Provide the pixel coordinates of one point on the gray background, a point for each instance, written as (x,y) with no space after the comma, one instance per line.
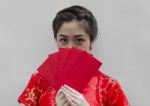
(26,39)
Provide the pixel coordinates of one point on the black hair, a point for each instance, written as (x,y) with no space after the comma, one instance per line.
(77,13)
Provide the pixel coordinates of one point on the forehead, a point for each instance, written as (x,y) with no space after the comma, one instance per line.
(71,28)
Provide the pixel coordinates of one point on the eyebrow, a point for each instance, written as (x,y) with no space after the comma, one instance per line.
(79,35)
(62,35)
(76,36)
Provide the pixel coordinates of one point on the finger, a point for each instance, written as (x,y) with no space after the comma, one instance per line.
(74,95)
(75,99)
(59,91)
(71,99)
(73,104)
(61,99)
(64,101)
(66,104)
(68,97)
(61,96)
(76,102)
(71,89)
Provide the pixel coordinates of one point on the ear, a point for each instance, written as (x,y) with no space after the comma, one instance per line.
(91,47)
(91,43)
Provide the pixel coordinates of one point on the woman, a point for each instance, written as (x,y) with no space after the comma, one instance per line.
(74,26)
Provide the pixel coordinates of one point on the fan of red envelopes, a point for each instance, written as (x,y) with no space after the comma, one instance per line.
(71,66)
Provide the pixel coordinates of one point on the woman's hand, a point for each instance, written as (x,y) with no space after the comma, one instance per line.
(61,100)
(74,98)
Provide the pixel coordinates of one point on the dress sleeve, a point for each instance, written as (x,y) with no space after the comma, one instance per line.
(116,96)
(33,90)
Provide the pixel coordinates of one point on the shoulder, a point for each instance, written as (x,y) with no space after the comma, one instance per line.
(106,78)
(38,80)
(35,87)
(112,90)
(36,76)
(108,84)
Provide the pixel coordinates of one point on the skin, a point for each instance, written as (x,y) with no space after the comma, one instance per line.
(70,35)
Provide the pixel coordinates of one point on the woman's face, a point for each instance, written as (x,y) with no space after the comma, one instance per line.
(72,34)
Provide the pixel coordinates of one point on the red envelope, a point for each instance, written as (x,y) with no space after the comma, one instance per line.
(62,58)
(48,69)
(73,56)
(80,68)
(70,66)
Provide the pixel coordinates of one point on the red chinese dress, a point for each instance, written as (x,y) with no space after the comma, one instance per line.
(99,89)
(102,90)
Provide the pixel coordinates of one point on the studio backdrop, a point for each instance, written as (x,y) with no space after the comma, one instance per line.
(123,43)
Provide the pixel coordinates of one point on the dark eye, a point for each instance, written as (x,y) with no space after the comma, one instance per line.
(63,40)
(79,40)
